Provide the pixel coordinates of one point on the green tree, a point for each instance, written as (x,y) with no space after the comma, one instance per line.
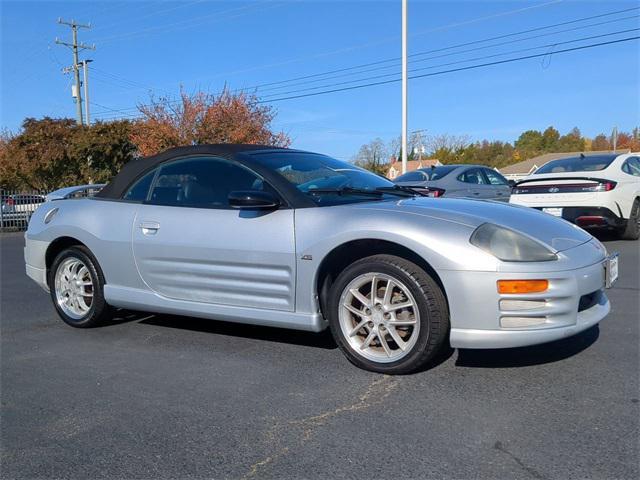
(571,142)
(600,142)
(529,143)
(550,138)
(51,153)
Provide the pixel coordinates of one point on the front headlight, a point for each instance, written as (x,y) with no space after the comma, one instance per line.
(510,246)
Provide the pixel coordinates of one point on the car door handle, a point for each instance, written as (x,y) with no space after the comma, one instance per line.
(149,228)
(499,194)
(476,193)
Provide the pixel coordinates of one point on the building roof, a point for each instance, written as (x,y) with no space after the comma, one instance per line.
(525,167)
(412,165)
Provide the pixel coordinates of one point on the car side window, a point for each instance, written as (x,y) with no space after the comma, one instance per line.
(140,189)
(473,175)
(632,166)
(202,183)
(494,177)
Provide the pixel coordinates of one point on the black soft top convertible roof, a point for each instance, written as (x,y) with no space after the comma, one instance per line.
(133,170)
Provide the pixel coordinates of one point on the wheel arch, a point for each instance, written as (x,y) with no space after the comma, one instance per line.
(350,251)
(57,246)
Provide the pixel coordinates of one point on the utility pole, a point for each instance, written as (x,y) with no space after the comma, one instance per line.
(85,80)
(404,86)
(76,48)
(615,138)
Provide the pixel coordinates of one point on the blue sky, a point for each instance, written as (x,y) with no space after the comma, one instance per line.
(157,46)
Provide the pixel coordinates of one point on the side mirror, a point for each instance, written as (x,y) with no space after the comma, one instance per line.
(253,200)
(512,183)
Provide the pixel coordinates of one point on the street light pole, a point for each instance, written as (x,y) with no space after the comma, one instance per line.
(404,86)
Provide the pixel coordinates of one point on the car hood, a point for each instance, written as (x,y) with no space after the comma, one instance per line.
(556,233)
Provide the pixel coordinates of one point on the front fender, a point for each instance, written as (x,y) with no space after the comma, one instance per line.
(443,245)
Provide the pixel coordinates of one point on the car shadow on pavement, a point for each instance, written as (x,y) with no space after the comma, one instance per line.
(528,356)
(218,327)
(604,235)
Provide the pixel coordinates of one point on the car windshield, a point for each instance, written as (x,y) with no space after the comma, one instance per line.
(585,163)
(326,180)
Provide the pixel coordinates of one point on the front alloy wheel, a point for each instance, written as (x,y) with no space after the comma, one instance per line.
(379,317)
(388,315)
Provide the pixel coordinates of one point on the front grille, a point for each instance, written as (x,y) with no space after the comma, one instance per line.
(589,300)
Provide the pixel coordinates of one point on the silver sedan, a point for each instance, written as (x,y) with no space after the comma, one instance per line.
(458,181)
(293,239)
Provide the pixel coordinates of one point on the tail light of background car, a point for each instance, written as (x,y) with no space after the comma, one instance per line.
(589,186)
(430,191)
(10,201)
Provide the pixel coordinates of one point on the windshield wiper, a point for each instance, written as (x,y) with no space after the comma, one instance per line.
(399,190)
(347,191)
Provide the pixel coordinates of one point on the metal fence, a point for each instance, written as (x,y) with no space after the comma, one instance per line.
(17,206)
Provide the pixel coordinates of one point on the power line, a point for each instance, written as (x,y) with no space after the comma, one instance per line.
(451,47)
(471,67)
(190,22)
(465,44)
(549,45)
(442,49)
(153,13)
(324,54)
(442,72)
(395,65)
(394,38)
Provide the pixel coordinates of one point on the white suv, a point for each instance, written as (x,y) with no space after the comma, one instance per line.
(592,191)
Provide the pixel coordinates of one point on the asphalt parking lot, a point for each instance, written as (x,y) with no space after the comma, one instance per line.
(174,397)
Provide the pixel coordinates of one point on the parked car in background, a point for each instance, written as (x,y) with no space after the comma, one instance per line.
(257,234)
(78,191)
(592,191)
(21,205)
(458,181)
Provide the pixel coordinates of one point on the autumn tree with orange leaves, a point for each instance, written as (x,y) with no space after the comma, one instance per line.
(203,118)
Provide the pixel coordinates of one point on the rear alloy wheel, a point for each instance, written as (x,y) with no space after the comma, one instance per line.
(632,229)
(76,283)
(388,315)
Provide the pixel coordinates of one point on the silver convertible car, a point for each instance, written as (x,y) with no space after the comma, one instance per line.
(293,239)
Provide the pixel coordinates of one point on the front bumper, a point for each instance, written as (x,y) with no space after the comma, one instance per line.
(574,302)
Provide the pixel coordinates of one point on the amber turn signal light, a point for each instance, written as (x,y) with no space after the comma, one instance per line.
(522,286)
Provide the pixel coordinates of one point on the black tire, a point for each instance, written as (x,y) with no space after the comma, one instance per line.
(99,311)
(429,297)
(632,229)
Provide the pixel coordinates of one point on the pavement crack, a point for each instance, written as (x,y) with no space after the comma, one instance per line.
(530,470)
(303,429)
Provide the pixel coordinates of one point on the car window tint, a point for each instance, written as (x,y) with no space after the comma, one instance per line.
(140,189)
(440,172)
(412,177)
(473,175)
(494,177)
(202,182)
(585,163)
(632,166)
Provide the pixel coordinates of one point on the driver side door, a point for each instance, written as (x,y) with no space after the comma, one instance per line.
(190,244)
